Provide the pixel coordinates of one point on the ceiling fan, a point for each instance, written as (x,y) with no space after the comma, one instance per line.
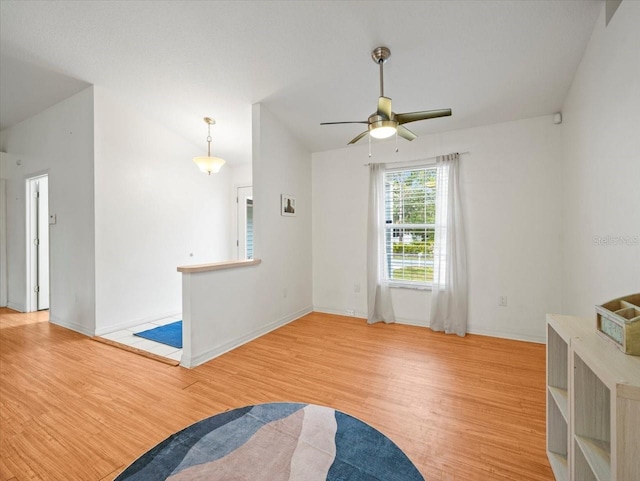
(384,123)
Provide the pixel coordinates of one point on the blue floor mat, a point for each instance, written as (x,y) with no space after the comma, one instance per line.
(170,334)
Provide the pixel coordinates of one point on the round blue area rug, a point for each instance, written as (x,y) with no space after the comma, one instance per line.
(275,442)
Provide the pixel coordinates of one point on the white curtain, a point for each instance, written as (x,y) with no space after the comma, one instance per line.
(449,294)
(378,294)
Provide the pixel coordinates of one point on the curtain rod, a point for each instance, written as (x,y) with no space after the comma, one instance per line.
(417,160)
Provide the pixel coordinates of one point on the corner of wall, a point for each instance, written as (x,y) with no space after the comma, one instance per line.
(601,168)
(66,153)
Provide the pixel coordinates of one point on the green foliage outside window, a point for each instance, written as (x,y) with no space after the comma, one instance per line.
(419,247)
(410,201)
(420,274)
(412,196)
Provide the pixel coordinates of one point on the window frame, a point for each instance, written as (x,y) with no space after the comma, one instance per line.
(407,284)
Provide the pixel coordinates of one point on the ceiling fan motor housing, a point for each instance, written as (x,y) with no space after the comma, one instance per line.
(376,121)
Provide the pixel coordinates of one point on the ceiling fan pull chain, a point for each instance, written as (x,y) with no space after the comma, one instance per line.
(396,141)
(369,145)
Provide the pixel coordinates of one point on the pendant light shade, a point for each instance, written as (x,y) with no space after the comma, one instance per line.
(208,164)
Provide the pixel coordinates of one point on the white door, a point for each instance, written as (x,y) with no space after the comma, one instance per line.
(38,243)
(245,222)
(43,245)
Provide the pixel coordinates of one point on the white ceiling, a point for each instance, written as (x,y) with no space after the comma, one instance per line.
(309,62)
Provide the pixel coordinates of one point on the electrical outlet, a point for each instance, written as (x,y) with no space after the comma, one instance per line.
(502,301)
(351,312)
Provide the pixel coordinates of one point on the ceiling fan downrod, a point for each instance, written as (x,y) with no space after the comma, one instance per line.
(380,56)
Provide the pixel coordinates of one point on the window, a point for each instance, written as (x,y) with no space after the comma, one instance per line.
(410,211)
(249,231)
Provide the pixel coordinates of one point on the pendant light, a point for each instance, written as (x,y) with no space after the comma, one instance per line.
(209,164)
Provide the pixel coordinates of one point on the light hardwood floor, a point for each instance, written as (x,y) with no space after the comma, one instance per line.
(463,409)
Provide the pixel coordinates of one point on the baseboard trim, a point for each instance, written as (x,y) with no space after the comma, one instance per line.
(339,312)
(16,307)
(412,322)
(363,315)
(71,325)
(508,335)
(239,341)
(136,322)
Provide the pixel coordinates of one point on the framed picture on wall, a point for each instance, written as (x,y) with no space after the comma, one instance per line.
(287,205)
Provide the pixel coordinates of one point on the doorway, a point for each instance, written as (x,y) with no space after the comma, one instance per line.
(245,222)
(37,223)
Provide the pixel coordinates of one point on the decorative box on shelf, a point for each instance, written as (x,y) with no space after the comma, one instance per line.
(619,321)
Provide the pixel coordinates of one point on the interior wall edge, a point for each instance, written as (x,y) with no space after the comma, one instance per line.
(239,341)
(82,329)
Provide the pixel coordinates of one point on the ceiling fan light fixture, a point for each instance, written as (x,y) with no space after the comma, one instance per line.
(383,129)
(384,123)
(207,163)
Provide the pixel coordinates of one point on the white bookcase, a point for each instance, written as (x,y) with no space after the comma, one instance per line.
(593,404)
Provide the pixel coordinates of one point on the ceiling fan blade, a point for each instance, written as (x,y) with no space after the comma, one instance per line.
(354,122)
(384,107)
(405,133)
(359,137)
(424,115)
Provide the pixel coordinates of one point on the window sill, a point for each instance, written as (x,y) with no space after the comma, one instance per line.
(406,285)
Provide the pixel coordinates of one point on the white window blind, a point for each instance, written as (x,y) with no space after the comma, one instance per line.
(410,210)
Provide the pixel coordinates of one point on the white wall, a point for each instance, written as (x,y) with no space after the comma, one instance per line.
(241,174)
(59,141)
(281,165)
(155,211)
(225,308)
(511,195)
(601,167)
(3,231)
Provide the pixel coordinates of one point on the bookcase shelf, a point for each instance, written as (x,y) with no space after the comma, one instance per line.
(593,404)
(559,466)
(597,454)
(561,398)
